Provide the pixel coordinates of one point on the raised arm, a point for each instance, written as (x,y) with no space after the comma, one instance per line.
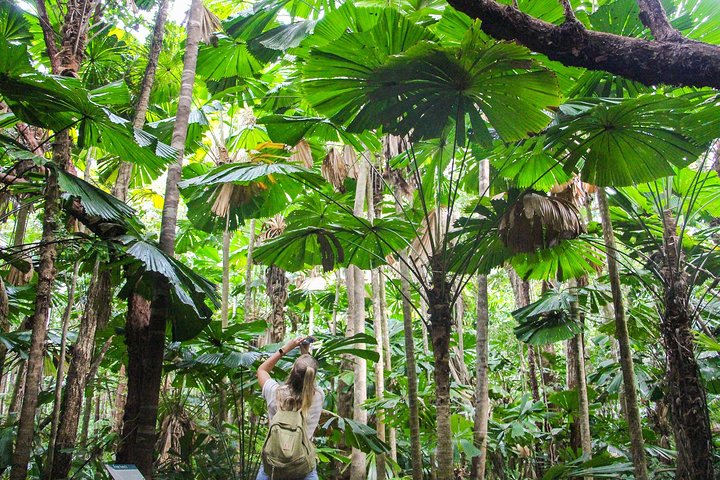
(263,373)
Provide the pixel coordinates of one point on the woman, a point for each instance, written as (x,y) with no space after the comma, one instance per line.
(299,392)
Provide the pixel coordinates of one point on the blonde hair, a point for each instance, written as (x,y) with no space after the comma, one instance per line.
(298,391)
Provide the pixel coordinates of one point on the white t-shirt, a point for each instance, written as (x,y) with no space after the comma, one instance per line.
(268,392)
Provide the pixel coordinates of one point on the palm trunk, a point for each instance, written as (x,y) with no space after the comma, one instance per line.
(248,272)
(439,300)
(357,317)
(392,433)
(96,315)
(411,370)
(521,292)
(146,340)
(571,382)
(630,404)
(482,399)
(60,378)
(579,347)
(225,305)
(378,314)
(4,324)
(122,183)
(277,291)
(46,278)
(688,405)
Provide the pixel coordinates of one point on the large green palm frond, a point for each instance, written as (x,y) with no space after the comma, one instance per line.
(619,143)
(401,79)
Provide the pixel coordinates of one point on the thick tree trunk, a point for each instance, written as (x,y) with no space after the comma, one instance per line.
(46,278)
(439,301)
(482,399)
(662,61)
(688,405)
(97,313)
(630,404)
(277,291)
(122,183)
(60,377)
(146,339)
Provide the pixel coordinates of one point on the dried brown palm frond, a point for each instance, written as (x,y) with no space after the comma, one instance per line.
(233,195)
(433,231)
(574,191)
(538,221)
(18,278)
(350,158)
(174,427)
(333,169)
(209,24)
(302,153)
(393,145)
(272,228)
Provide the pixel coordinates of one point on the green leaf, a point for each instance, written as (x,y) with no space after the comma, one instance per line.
(547,320)
(190,292)
(229,194)
(624,143)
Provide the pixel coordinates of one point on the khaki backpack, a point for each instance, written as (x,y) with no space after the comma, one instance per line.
(288,453)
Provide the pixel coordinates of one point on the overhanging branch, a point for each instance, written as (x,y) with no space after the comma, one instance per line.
(666,60)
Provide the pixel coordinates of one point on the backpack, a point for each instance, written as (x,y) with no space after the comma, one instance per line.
(288,453)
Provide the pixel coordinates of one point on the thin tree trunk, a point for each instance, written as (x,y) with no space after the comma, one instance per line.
(630,405)
(378,314)
(122,183)
(357,318)
(571,382)
(249,271)
(521,292)
(4,324)
(46,278)
(583,402)
(482,399)
(225,305)
(411,370)
(145,357)
(392,433)
(119,405)
(688,405)
(96,315)
(277,292)
(15,276)
(60,378)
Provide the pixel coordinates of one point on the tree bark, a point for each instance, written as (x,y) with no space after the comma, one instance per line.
(225,302)
(580,375)
(630,404)
(439,301)
(122,183)
(248,272)
(521,292)
(277,291)
(378,321)
(356,316)
(4,323)
(482,398)
(60,377)
(96,315)
(666,60)
(46,278)
(411,371)
(688,405)
(146,340)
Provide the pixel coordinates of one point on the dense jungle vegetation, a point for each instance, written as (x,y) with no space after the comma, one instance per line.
(499,219)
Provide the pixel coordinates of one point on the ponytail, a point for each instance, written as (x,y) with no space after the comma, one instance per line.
(308,390)
(298,392)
